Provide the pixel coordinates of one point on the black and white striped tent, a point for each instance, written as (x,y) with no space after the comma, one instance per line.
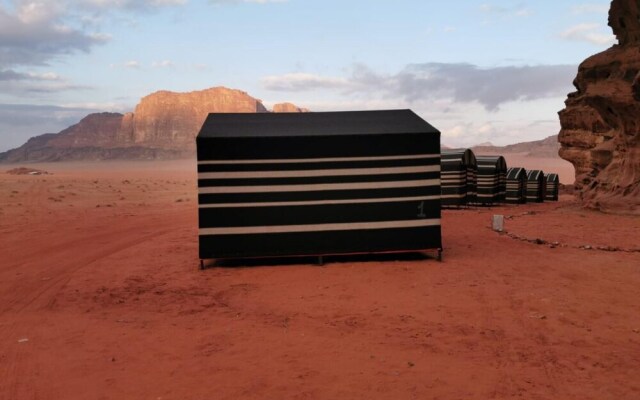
(492,179)
(516,185)
(553,185)
(288,184)
(535,186)
(459,172)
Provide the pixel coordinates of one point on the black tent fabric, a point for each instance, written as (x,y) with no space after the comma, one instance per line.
(516,185)
(317,184)
(553,186)
(492,180)
(459,171)
(535,186)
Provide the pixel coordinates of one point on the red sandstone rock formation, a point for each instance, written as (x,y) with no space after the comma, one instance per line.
(94,130)
(169,120)
(287,107)
(164,125)
(600,132)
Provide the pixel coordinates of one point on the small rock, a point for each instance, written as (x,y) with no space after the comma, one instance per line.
(23,340)
(410,364)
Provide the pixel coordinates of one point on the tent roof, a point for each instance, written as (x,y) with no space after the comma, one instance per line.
(516,173)
(552,177)
(535,174)
(465,156)
(314,124)
(497,162)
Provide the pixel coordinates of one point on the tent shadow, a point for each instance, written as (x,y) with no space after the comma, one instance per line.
(323,261)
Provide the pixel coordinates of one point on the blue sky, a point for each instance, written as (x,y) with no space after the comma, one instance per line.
(478,70)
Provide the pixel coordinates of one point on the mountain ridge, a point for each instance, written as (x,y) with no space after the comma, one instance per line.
(163,125)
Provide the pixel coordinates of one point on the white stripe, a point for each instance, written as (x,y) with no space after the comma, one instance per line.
(319,227)
(317,172)
(318,187)
(453,196)
(311,160)
(320,202)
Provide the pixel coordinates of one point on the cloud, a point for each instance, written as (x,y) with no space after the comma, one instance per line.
(137,5)
(246,1)
(162,64)
(129,64)
(296,82)
(33,36)
(10,75)
(518,10)
(20,83)
(458,82)
(591,33)
(132,64)
(34,32)
(135,64)
(590,9)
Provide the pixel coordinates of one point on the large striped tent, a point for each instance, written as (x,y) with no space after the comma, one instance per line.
(552,185)
(516,185)
(492,180)
(459,169)
(284,184)
(535,186)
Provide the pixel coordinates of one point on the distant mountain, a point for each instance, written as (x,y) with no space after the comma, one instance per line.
(163,126)
(547,148)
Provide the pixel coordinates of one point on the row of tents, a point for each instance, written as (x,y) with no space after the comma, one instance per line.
(468,179)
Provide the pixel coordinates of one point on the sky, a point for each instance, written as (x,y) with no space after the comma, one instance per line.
(479,71)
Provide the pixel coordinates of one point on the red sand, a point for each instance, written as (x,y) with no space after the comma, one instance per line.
(99,274)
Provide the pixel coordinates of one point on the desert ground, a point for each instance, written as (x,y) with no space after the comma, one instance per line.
(101,298)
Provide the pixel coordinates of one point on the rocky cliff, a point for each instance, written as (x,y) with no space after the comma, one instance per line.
(600,132)
(163,125)
(169,120)
(287,107)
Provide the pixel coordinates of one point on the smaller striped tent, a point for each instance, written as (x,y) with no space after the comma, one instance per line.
(553,184)
(516,185)
(492,180)
(472,183)
(535,186)
(458,175)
